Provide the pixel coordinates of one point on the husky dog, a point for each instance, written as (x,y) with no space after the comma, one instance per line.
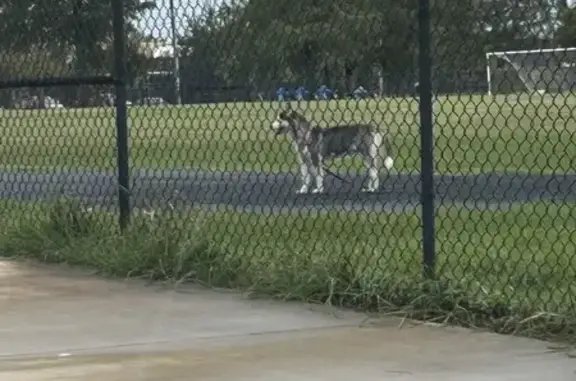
(314,144)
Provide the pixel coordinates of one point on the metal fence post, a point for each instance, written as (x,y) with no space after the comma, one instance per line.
(121,112)
(426,138)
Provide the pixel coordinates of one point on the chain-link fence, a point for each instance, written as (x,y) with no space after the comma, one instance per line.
(343,146)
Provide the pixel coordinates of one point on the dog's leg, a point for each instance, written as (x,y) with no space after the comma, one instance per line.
(368,162)
(303,160)
(373,163)
(306,177)
(374,177)
(318,174)
(306,171)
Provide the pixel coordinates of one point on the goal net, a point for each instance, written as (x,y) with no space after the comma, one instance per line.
(536,71)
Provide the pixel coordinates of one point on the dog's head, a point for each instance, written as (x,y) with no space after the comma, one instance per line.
(286,120)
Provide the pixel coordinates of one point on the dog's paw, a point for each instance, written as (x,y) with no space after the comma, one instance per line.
(368,190)
(302,190)
(318,191)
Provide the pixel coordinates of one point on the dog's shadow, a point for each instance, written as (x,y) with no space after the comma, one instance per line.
(350,186)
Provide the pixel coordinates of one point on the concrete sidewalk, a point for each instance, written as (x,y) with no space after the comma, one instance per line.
(58,324)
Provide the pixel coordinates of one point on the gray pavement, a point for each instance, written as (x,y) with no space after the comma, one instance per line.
(58,324)
(276,192)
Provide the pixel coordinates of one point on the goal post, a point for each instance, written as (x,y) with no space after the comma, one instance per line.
(536,71)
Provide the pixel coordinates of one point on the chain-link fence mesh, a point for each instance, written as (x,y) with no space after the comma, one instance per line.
(212,138)
(507,152)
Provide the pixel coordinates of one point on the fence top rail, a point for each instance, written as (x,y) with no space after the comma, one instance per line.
(512,52)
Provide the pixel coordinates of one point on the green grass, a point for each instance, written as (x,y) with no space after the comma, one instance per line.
(473,134)
(510,271)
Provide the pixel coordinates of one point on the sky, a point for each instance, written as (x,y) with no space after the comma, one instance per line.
(157,22)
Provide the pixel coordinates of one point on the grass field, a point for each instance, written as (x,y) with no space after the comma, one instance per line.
(473,134)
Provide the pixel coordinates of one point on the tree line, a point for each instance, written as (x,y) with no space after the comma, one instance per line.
(255,46)
(264,44)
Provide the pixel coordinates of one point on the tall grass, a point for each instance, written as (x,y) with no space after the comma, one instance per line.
(496,282)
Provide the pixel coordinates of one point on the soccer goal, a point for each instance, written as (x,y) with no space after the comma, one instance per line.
(538,71)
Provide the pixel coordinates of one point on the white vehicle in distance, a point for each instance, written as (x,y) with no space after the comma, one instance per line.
(152,101)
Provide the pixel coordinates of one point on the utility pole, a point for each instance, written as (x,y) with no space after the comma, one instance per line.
(175,55)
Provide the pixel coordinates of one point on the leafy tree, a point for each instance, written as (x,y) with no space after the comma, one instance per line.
(260,42)
(82,29)
(566,34)
(515,25)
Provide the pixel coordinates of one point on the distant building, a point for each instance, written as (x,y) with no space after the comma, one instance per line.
(157,49)
(159,81)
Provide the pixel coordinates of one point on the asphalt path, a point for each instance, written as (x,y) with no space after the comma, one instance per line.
(262,192)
